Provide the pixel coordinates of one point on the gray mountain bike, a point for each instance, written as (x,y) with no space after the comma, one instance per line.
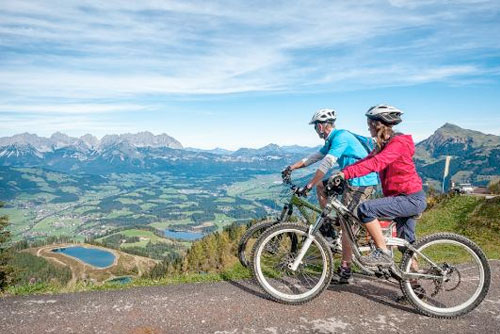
(443,275)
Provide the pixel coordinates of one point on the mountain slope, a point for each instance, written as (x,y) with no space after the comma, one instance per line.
(475,155)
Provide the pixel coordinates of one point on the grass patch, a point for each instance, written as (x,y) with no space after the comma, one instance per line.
(476,218)
(147,236)
(125,200)
(147,206)
(70,189)
(33,289)
(225,200)
(237,272)
(119,213)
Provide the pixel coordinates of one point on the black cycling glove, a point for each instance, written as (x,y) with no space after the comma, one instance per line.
(303,191)
(286,173)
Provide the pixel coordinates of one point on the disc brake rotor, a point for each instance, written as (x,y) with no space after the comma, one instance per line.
(447,282)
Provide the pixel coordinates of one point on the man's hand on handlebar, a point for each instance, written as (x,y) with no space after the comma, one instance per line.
(286,174)
(303,191)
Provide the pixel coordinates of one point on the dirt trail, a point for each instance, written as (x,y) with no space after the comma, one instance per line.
(237,307)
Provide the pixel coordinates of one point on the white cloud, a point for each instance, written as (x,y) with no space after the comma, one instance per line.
(75,126)
(77,61)
(69,108)
(117,48)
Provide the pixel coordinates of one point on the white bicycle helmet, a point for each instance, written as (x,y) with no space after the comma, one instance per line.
(386,114)
(323,116)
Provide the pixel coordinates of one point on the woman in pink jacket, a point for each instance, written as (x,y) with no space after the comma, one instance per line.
(393,160)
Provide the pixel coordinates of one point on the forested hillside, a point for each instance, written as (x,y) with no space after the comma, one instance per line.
(475,217)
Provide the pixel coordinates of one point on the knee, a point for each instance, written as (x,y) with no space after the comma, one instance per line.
(320,190)
(365,214)
(320,187)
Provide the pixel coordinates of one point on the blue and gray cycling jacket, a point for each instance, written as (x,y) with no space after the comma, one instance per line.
(343,147)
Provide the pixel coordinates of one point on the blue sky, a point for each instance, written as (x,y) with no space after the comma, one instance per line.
(245,73)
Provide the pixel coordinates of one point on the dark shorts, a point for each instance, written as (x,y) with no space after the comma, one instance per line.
(354,196)
(402,209)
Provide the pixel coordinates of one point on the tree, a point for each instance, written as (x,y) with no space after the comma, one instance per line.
(5,269)
(494,186)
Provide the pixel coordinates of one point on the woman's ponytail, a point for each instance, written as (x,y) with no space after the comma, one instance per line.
(384,133)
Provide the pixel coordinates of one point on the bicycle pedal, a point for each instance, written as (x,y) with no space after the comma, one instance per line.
(382,272)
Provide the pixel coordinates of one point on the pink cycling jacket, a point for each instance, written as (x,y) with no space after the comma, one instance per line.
(395,166)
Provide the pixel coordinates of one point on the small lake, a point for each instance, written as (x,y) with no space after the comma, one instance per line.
(183,235)
(121,280)
(93,256)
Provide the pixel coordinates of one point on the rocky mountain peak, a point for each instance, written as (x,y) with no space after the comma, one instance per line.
(59,136)
(142,139)
(90,140)
(451,139)
(60,140)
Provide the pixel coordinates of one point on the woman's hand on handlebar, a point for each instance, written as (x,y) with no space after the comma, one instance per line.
(336,183)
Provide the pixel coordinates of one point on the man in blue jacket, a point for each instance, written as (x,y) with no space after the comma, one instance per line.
(344,148)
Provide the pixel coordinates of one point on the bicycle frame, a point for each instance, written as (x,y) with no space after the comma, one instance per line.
(346,216)
(301,204)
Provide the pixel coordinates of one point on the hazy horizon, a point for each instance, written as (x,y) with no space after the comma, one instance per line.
(321,141)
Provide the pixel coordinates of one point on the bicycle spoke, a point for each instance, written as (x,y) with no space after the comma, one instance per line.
(447,277)
(278,252)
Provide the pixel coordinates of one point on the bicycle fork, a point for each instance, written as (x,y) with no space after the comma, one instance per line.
(307,243)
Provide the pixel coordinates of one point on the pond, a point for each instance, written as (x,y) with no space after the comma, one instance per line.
(121,280)
(96,257)
(183,235)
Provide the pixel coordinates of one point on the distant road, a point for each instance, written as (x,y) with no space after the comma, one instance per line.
(237,307)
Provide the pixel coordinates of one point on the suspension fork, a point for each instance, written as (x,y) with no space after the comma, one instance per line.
(310,238)
(286,212)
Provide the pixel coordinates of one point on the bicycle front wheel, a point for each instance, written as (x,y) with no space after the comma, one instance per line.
(451,275)
(278,247)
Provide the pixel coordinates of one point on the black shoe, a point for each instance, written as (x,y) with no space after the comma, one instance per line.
(343,275)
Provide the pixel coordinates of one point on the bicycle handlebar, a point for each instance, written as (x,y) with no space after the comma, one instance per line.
(287,179)
(336,187)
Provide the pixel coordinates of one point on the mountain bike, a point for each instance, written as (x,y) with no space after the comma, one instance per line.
(443,275)
(308,211)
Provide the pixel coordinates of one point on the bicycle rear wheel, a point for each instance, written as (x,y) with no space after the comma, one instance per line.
(458,275)
(248,240)
(276,249)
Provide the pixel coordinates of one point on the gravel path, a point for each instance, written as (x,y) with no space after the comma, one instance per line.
(237,307)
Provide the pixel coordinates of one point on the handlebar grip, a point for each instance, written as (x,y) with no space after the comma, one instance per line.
(337,181)
(335,186)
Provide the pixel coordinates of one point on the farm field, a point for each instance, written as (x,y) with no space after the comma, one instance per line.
(90,207)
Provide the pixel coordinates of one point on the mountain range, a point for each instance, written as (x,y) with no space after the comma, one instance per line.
(475,156)
(89,142)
